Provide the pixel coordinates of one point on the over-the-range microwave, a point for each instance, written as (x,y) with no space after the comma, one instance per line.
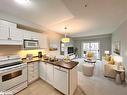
(31,44)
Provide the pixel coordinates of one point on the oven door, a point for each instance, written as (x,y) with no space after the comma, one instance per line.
(31,44)
(12,77)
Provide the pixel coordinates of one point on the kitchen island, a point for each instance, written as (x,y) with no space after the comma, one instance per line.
(60,74)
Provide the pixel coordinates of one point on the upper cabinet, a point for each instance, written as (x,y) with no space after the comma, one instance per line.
(16,34)
(30,35)
(26,34)
(4,31)
(42,38)
(43,41)
(9,33)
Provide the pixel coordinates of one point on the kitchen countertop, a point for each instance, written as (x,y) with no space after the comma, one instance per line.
(60,63)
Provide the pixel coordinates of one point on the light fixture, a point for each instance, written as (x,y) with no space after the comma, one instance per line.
(65,39)
(118,60)
(23,2)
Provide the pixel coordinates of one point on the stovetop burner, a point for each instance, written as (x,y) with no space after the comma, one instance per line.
(11,64)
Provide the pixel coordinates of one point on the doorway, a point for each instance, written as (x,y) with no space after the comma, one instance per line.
(92,47)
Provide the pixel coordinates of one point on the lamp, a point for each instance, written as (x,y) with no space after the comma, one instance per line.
(118,60)
(65,39)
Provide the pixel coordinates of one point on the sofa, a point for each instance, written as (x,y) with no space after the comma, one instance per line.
(108,69)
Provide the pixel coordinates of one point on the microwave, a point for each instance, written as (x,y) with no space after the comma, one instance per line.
(31,44)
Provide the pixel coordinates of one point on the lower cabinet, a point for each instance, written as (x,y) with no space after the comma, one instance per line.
(42,70)
(46,72)
(49,74)
(32,72)
(64,80)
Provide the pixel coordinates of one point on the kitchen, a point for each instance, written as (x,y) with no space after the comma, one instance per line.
(20,65)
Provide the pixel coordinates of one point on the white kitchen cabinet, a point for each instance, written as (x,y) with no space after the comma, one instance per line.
(33,73)
(46,72)
(42,70)
(49,74)
(61,79)
(16,34)
(43,40)
(5,28)
(4,31)
(26,34)
(9,33)
(35,35)
(30,35)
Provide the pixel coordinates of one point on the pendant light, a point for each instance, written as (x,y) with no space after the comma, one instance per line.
(65,39)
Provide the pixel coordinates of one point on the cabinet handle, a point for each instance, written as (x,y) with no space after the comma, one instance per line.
(9,32)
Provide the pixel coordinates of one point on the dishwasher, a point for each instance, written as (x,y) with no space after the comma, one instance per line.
(61,79)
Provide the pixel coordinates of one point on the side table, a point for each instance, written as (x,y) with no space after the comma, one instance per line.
(119,71)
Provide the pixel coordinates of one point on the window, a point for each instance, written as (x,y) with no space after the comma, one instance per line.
(93,47)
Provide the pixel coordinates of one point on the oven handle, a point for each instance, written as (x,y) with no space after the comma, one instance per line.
(12,68)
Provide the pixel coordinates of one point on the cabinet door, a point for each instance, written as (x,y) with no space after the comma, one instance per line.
(36,71)
(30,72)
(16,34)
(34,35)
(50,74)
(43,41)
(42,70)
(4,32)
(26,34)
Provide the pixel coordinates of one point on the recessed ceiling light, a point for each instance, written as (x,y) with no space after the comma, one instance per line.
(23,2)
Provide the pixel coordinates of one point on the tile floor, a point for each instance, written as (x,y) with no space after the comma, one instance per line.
(40,87)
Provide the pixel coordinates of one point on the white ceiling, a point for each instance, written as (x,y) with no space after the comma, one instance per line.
(100,17)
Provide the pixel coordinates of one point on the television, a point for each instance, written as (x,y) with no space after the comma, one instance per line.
(70,50)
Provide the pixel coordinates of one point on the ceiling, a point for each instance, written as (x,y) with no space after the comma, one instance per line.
(99,17)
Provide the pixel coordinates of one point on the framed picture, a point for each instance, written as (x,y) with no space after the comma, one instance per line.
(53,46)
(116,47)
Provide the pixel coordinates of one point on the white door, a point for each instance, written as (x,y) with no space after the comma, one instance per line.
(50,74)
(42,70)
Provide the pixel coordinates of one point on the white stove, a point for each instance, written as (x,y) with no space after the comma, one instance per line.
(13,74)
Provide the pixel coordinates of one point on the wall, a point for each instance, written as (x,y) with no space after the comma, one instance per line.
(104,40)
(121,35)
